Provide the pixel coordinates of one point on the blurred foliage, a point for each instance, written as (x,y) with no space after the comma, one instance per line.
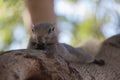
(88,28)
(10,16)
(72,0)
(93,24)
(117,1)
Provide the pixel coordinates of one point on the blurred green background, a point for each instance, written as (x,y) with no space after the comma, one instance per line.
(86,19)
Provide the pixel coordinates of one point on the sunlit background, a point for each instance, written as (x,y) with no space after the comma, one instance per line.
(77,20)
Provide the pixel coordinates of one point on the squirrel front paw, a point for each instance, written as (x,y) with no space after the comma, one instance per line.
(40,47)
(99,62)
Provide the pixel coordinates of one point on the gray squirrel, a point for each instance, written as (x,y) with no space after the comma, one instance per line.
(43,37)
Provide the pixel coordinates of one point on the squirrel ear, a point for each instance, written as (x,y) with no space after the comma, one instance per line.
(53,28)
(49,30)
(54,24)
(33,25)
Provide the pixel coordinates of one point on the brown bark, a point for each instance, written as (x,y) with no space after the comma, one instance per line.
(35,65)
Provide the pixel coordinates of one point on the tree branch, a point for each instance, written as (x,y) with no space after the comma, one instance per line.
(35,65)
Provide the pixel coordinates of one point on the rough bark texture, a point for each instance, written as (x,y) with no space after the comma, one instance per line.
(35,65)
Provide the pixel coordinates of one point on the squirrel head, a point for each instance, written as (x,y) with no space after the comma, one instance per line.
(44,33)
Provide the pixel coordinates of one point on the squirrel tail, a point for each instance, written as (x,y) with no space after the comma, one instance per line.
(91,46)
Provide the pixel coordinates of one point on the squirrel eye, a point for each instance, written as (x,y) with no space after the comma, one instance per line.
(49,31)
(32,30)
(53,29)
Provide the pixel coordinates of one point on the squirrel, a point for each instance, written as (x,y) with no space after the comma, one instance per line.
(43,37)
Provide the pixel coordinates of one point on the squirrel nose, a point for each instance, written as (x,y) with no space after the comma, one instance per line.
(39,37)
(43,44)
(41,40)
